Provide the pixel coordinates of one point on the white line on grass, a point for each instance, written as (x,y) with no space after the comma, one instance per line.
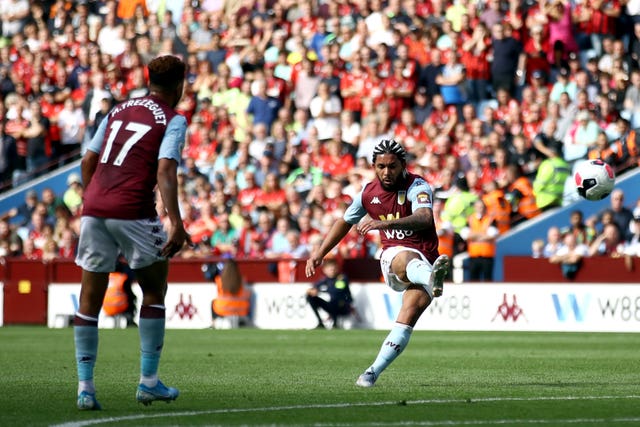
(408,402)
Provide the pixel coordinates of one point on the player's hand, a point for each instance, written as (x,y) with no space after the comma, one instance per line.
(366,225)
(312,263)
(177,238)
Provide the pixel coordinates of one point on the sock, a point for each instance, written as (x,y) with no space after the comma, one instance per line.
(391,348)
(151,329)
(419,272)
(85,334)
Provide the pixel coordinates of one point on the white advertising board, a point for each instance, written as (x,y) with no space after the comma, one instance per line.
(188,305)
(463,307)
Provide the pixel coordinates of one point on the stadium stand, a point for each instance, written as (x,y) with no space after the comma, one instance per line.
(459,83)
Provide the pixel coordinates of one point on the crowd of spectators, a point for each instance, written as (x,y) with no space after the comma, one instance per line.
(612,232)
(285,100)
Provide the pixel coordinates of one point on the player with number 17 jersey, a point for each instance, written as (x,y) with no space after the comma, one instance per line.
(136,133)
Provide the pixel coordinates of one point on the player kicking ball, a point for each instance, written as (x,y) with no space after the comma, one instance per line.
(136,147)
(398,203)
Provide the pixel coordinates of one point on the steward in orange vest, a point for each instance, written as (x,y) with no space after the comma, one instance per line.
(480,235)
(233,298)
(446,238)
(115,299)
(602,150)
(497,206)
(520,194)
(625,148)
(119,298)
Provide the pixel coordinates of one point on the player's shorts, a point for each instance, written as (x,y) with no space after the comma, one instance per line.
(390,278)
(102,240)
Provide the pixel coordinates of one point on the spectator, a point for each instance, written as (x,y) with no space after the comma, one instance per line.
(607,243)
(560,29)
(72,128)
(428,74)
(621,215)
(475,54)
(272,196)
(570,255)
(632,244)
(38,140)
(306,84)
(224,240)
(72,196)
(10,241)
(262,108)
(452,81)
(583,233)
(508,59)
(553,242)
(325,110)
(13,16)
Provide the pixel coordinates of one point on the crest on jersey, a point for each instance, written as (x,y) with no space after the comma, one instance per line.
(402,196)
(424,198)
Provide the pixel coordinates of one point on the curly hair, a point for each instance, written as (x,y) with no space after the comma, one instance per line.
(166,72)
(389,146)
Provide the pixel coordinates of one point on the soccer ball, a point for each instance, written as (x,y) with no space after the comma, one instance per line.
(594,179)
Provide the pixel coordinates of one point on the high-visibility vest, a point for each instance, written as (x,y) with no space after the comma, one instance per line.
(231,304)
(527,206)
(446,241)
(499,209)
(603,155)
(548,185)
(115,299)
(480,248)
(625,146)
(457,208)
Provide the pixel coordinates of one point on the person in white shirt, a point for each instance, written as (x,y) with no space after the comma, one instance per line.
(72,126)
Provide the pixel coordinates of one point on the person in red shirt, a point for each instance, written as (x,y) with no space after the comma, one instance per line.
(442,117)
(271,196)
(247,196)
(409,132)
(335,162)
(474,57)
(598,19)
(352,87)
(399,89)
(506,104)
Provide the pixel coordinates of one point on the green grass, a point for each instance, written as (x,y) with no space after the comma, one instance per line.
(257,377)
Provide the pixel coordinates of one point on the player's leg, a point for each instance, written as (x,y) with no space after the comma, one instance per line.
(151,327)
(416,298)
(415,301)
(85,333)
(141,242)
(422,272)
(96,252)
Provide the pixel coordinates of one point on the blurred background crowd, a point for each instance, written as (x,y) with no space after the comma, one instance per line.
(494,100)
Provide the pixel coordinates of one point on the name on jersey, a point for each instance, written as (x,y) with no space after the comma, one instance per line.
(149,104)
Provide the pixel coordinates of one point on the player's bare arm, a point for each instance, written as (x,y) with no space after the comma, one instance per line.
(88,166)
(339,229)
(421,219)
(168,186)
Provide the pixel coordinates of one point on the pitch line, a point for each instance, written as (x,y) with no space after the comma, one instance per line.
(388,403)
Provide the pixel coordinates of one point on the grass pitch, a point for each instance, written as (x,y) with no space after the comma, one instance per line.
(286,378)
